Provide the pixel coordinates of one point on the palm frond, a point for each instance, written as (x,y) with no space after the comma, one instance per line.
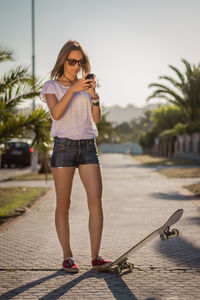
(179,74)
(174,82)
(164,92)
(38,121)
(189,70)
(13,102)
(188,98)
(14,95)
(5,55)
(18,75)
(15,86)
(158,96)
(163,87)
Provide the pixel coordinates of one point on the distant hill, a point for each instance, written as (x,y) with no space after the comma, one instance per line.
(118,114)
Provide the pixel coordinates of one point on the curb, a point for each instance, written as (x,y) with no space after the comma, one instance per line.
(13,220)
(185,192)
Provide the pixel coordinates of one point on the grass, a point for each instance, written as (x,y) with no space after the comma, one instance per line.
(30,176)
(194,188)
(187,169)
(14,198)
(181,172)
(153,161)
(173,172)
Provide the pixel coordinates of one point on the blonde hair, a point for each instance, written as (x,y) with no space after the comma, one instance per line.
(63,55)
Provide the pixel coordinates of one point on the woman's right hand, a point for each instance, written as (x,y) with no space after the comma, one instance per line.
(80,85)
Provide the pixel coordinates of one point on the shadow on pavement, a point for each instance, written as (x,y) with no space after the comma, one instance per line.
(194,220)
(114,282)
(179,197)
(19,290)
(173,196)
(182,252)
(155,167)
(120,166)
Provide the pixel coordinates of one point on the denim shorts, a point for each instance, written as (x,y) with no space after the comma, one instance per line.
(72,153)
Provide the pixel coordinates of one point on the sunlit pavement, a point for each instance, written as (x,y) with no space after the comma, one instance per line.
(136,201)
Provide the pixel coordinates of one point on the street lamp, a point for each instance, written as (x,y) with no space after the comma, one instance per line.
(33,45)
(34,156)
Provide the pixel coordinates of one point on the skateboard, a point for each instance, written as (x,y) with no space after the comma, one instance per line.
(165,233)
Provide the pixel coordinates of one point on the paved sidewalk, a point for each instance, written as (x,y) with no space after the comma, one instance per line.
(136,201)
(7,173)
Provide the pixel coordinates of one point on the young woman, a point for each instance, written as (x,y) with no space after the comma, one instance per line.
(74,108)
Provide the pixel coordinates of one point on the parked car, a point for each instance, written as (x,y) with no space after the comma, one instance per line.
(16,152)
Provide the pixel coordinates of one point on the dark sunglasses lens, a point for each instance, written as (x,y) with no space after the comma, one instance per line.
(82,62)
(71,62)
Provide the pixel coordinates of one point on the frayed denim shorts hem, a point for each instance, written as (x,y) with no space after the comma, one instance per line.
(72,153)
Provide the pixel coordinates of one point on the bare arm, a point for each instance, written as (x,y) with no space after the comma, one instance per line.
(57,108)
(96,113)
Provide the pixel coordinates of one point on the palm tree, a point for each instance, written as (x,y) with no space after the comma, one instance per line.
(105,130)
(16,86)
(185,92)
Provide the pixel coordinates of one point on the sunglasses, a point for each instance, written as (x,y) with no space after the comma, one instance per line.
(73,62)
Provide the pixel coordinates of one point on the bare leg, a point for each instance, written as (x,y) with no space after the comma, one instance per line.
(63,184)
(91,177)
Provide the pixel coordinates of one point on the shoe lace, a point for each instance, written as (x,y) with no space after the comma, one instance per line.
(100,258)
(70,262)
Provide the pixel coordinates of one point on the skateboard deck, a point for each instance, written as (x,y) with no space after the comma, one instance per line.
(165,233)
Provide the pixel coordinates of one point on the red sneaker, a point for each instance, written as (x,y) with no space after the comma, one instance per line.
(70,266)
(99,263)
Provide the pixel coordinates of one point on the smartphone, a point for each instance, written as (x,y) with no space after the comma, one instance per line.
(89,76)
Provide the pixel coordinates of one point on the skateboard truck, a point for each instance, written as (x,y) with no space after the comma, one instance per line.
(169,233)
(124,265)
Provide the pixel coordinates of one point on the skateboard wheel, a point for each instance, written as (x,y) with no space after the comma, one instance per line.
(119,270)
(131,267)
(163,236)
(175,233)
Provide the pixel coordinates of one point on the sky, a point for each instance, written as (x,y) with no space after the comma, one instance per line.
(130,43)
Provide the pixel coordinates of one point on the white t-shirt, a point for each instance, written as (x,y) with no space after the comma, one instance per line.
(76,122)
